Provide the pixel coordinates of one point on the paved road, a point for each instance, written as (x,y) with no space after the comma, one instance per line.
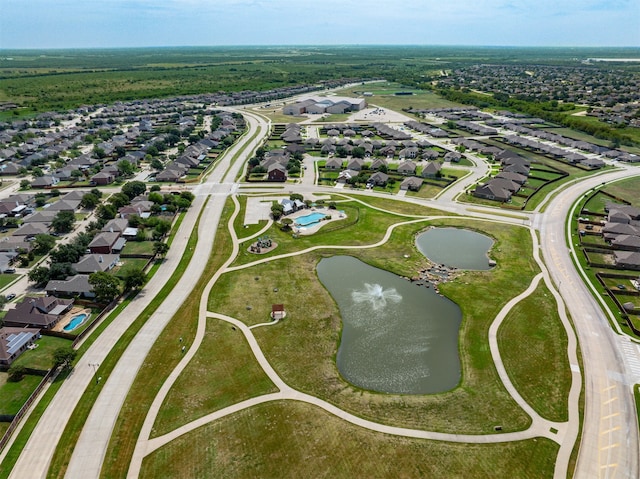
(609,446)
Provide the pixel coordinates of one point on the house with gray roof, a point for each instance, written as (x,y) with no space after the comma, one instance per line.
(407,168)
(492,191)
(72,286)
(412,183)
(92,263)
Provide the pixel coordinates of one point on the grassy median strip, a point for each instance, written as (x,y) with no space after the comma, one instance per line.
(161,360)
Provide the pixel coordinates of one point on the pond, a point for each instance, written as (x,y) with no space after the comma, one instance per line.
(397,337)
(456,248)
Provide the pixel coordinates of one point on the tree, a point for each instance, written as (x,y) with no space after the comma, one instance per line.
(60,271)
(106,211)
(97,192)
(156,164)
(134,188)
(37,173)
(43,243)
(16,373)
(125,168)
(163,227)
(25,184)
(63,221)
(77,174)
(39,275)
(41,200)
(64,356)
(358,152)
(156,197)
(277,210)
(98,152)
(118,200)
(89,201)
(105,287)
(160,248)
(286,224)
(120,151)
(134,278)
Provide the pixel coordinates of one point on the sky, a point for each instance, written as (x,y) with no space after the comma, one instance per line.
(146,23)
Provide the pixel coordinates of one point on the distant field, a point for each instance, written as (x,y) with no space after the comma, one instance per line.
(384,95)
(44,80)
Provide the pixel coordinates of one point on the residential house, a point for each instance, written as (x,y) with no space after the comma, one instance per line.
(14,342)
(103,178)
(432,170)
(73,286)
(276,172)
(492,191)
(378,179)
(117,225)
(44,312)
(412,183)
(407,168)
(107,243)
(333,164)
(46,181)
(627,259)
(92,263)
(355,164)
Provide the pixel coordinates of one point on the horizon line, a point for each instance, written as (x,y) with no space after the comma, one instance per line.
(311,45)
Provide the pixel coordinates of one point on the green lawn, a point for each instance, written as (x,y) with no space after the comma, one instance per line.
(295,440)
(13,395)
(533,345)
(129,265)
(138,247)
(42,356)
(228,374)
(6,279)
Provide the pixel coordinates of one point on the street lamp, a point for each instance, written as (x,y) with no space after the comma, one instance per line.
(95,367)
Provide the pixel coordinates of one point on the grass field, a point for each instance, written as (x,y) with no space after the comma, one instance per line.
(228,374)
(293,440)
(532,341)
(384,96)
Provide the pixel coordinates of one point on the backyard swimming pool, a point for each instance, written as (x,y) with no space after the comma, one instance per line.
(76,321)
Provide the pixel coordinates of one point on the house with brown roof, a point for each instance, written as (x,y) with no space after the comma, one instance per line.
(14,342)
(492,191)
(43,313)
(107,243)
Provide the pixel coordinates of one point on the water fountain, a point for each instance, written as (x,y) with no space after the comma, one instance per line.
(376,295)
